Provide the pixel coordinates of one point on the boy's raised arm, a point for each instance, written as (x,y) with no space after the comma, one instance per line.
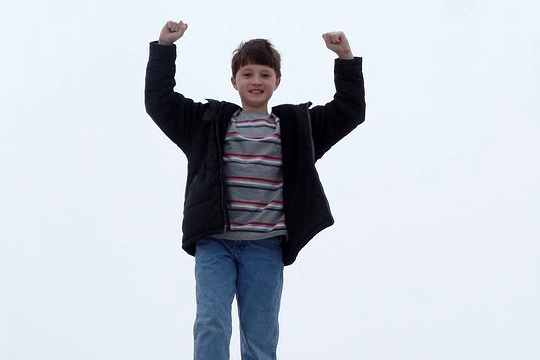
(171,32)
(176,115)
(331,122)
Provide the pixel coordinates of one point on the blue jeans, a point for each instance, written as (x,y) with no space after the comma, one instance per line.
(251,270)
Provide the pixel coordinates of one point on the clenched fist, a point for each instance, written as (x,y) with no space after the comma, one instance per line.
(171,32)
(338,43)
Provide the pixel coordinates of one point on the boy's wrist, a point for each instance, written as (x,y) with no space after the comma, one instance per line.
(346,55)
(164,43)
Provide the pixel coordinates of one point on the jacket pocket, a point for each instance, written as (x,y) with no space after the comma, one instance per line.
(191,192)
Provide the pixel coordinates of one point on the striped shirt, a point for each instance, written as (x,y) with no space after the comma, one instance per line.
(253,176)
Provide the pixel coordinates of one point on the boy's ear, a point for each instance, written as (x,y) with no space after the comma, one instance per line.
(278,81)
(233,82)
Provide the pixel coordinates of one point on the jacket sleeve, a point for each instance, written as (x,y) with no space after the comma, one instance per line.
(331,122)
(177,116)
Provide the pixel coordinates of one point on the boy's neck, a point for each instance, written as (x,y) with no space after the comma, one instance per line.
(257,111)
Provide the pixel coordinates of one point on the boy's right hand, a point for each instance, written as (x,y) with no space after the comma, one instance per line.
(171,32)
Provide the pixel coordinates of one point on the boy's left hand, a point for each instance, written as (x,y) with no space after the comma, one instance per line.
(338,43)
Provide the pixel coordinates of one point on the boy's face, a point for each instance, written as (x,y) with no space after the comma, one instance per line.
(255,85)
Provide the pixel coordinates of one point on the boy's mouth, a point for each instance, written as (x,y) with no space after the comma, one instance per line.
(256,91)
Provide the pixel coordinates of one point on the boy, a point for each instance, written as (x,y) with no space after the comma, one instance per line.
(253,198)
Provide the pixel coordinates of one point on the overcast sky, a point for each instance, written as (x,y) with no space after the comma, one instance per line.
(435,253)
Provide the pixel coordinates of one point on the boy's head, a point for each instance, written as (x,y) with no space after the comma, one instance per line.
(256,73)
(258,52)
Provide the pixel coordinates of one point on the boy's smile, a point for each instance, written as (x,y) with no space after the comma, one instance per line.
(255,85)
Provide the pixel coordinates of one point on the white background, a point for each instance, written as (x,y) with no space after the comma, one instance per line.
(435,252)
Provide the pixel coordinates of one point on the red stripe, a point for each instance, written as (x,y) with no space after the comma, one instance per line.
(255,120)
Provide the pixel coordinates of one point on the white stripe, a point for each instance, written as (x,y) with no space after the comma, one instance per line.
(257,227)
(256,184)
(243,160)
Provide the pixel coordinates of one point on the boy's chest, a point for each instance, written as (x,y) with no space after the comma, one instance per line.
(253,141)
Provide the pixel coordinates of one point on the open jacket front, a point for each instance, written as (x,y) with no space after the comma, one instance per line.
(199,129)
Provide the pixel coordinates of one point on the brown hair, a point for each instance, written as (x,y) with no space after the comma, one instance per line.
(256,51)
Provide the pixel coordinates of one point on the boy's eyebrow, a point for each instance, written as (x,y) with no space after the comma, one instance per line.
(260,70)
(249,66)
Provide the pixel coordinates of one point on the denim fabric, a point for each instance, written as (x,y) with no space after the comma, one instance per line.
(253,271)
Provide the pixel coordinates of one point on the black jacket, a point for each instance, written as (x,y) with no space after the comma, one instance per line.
(306,134)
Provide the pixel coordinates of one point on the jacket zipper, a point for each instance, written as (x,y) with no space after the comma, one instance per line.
(220,159)
(312,143)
